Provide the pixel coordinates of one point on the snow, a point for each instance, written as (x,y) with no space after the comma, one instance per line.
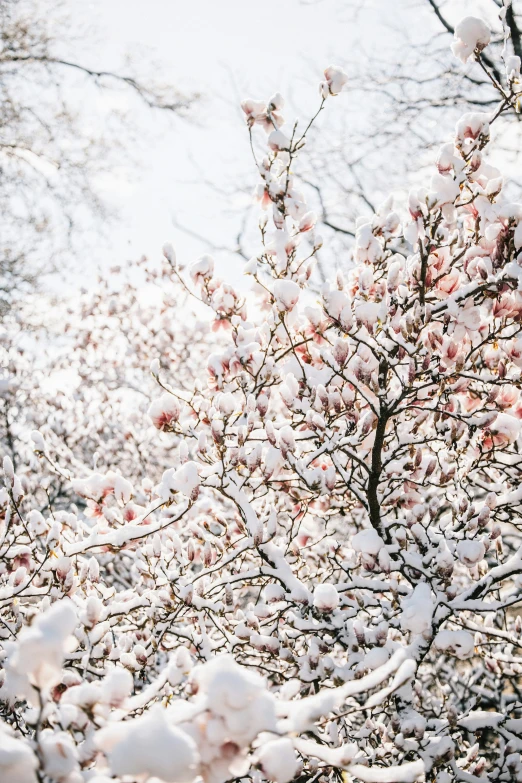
(277,140)
(237,695)
(369,313)
(117,686)
(470,552)
(8,468)
(40,650)
(302,713)
(409,772)
(122,489)
(150,746)
(36,522)
(326,598)
(470,34)
(481,719)
(286,294)
(278,760)
(98,485)
(471,126)
(17,761)
(375,657)
(38,440)
(59,754)
(404,673)
(335,78)
(341,756)
(164,411)
(368,542)
(461,644)
(287,440)
(185,480)
(446,189)
(273,592)
(513,64)
(417,610)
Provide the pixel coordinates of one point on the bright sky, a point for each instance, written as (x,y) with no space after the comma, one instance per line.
(226,50)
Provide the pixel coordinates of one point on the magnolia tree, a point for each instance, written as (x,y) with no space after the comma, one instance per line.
(409,95)
(324,580)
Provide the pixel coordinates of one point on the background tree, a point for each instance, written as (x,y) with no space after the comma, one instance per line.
(78,370)
(51,152)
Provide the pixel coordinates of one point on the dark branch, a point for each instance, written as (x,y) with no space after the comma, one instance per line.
(146,94)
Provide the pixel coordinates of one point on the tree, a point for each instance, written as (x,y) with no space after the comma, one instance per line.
(326,576)
(408,99)
(50,153)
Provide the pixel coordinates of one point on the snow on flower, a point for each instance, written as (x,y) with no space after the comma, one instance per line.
(40,650)
(470,552)
(335,79)
(185,480)
(164,411)
(471,34)
(286,293)
(368,542)
(278,141)
(151,746)
(458,643)
(226,404)
(470,127)
(18,763)
(326,598)
(417,610)
(237,695)
(278,760)
(99,485)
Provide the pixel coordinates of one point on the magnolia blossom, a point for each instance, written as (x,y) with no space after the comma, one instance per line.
(457,643)
(470,552)
(326,598)
(185,480)
(278,760)
(164,411)
(286,293)
(418,610)
(40,651)
(202,268)
(471,126)
(335,79)
(18,762)
(471,35)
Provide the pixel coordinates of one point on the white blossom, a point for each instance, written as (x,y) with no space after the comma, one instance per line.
(471,34)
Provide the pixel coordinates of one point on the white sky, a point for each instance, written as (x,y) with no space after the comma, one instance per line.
(226,50)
